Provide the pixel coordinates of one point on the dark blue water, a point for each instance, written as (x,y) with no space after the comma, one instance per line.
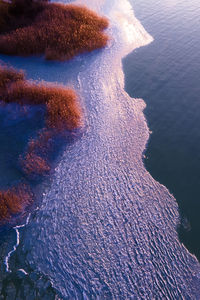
(166,75)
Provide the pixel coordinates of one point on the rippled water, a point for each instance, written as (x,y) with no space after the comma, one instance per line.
(166,75)
(105,229)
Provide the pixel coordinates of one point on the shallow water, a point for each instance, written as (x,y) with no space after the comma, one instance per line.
(166,75)
(105,229)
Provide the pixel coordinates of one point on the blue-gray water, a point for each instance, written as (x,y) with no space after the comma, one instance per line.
(166,75)
(103,228)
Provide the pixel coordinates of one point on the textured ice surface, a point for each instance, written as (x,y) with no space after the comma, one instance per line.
(106,229)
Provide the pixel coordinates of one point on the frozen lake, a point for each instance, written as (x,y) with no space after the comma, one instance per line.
(104,228)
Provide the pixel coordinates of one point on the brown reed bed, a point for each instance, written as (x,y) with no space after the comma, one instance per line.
(34,165)
(63,110)
(18,13)
(35,161)
(42,144)
(8,76)
(62,113)
(13,201)
(56,30)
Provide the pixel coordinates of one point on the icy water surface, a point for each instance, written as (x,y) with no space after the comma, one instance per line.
(166,75)
(105,229)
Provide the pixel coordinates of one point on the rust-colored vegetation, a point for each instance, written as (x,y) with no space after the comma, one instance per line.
(16,14)
(31,27)
(42,144)
(34,165)
(58,31)
(8,76)
(13,201)
(62,113)
(35,162)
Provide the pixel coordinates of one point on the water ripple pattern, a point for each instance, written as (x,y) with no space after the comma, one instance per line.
(106,229)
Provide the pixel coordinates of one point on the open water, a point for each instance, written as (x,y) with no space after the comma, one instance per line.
(166,75)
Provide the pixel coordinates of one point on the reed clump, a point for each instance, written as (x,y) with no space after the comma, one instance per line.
(42,144)
(9,76)
(56,30)
(62,113)
(34,165)
(35,162)
(63,110)
(13,201)
(16,14)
